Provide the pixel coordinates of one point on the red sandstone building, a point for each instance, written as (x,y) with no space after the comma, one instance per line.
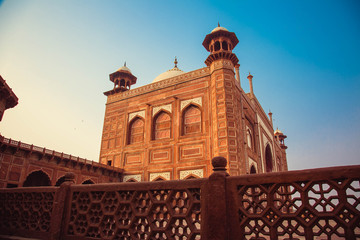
(172,127)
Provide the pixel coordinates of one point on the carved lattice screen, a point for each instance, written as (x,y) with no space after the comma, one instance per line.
(136,211)
(26,210)
(298,208)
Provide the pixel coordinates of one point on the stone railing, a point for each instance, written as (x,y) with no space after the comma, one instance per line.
(54,154)
(307,204)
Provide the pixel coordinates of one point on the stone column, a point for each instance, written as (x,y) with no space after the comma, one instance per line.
(237,66)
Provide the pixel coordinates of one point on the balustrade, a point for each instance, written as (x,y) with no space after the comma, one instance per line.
(307,204)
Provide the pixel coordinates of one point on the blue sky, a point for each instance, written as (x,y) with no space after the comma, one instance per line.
(304,56)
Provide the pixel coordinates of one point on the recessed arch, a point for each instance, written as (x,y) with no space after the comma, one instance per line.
(225,45)
(60,181)
(252,169)
(37,178)
(88,181)
(136,130)
(249,138)
(191,176)
(191,120)
(161,125)
(117,83)
(217,46)
(131,180)
(159,179)
(268,159)
(122,83)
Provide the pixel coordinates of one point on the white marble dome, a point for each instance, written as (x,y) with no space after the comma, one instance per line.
(124,68)
(169,73)
(277,131)
(219,28)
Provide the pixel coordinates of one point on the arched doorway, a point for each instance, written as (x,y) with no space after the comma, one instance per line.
(252,170)
(268,159)
(60,181)
(37,178)
(88,182)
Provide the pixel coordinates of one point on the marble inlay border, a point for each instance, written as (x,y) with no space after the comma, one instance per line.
(164,107)
(164,175)
(196,172)
(134,114)
(137,177)
(197,101)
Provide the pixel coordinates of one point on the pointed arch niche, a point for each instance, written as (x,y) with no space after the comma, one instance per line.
(60,181)
(191,120)
(132,178)
(253,166)
(161,125)
(37,178)
(136,130)
(252,169)
(268,159)
(88,181)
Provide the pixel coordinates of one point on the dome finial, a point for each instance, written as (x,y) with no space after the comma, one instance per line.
(218,24)
(125,64)
(175,62)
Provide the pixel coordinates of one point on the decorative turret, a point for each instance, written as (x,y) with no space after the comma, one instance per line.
(281,138)
(220,43)
(122,80)
(250,77)
(270,118)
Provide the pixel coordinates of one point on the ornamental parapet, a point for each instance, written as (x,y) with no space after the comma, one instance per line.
(60,156)
(199,73)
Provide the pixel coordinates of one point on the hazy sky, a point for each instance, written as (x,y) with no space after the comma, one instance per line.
(304,56)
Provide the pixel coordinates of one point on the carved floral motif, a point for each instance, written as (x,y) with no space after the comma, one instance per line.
(197,101)
(137,177)
(196,172)
(164,107)
(164,175)
(134,114)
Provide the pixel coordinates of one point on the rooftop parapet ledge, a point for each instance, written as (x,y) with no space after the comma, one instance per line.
(8,142)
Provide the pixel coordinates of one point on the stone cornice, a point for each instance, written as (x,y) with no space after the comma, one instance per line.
(202,72)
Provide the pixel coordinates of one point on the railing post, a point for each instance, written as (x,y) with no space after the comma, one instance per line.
(214,225)
(57,215)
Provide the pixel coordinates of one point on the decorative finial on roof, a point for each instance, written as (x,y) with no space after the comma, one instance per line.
(125,64)
(175,62)
(218,24)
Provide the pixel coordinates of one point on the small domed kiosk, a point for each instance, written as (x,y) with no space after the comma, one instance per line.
(122,79)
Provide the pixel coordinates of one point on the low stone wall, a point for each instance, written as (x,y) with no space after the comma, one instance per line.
(308,204)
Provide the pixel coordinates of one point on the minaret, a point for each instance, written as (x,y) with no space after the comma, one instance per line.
(220,43)
(122,80)
(223,100)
